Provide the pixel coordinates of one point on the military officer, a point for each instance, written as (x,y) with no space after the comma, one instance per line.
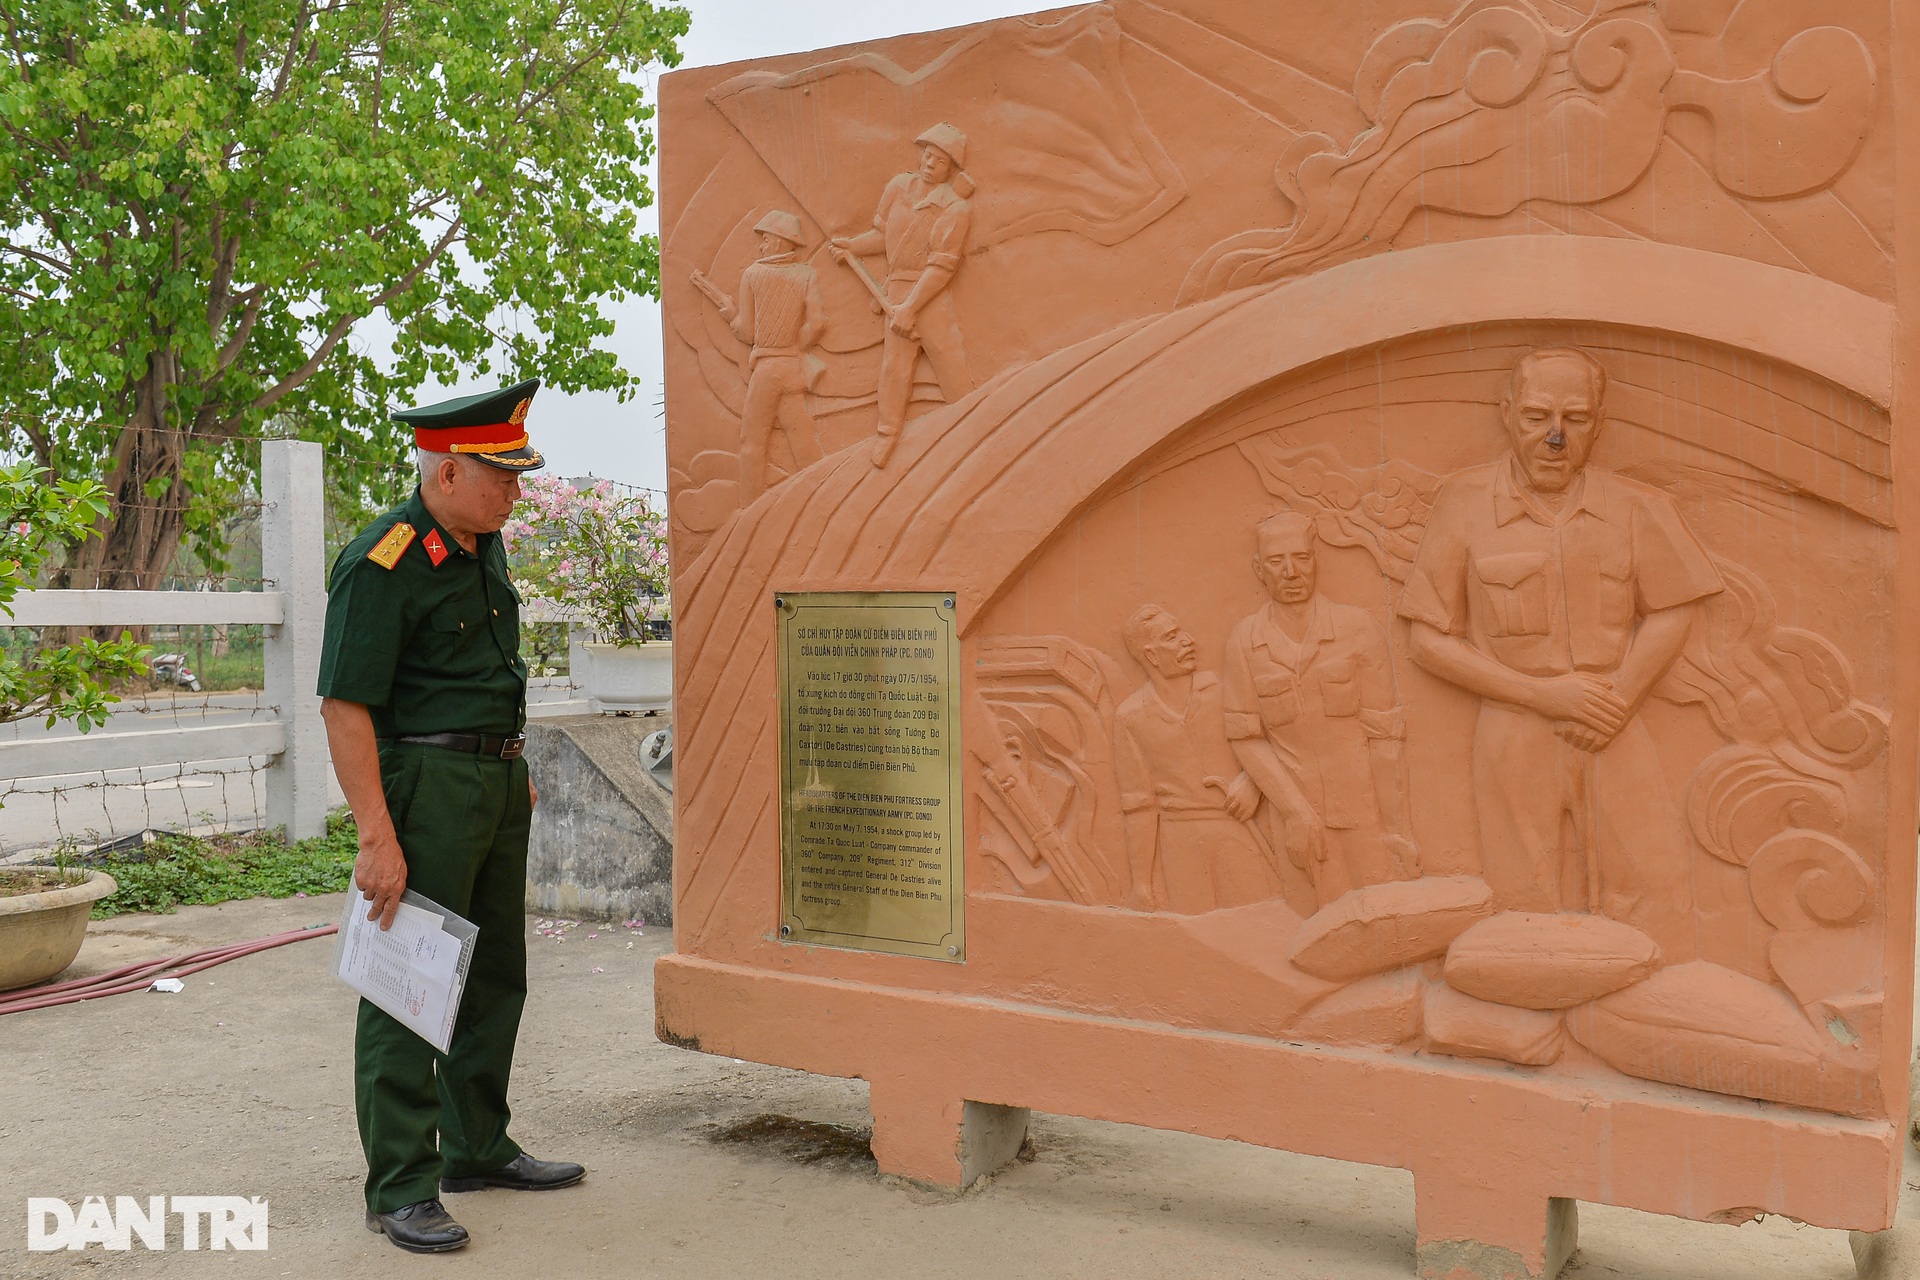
(424,701)
(1315,719)
(1561,593)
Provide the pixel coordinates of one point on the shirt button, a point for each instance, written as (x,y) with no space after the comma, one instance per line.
(463,626)
(496,613)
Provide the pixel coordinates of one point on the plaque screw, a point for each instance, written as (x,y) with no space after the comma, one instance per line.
(948,602)
(779,603)
(786,931)
(953,951)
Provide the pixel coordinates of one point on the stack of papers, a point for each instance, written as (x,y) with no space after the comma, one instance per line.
(414,971)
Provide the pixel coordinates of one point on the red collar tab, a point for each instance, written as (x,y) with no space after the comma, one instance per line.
(436,549)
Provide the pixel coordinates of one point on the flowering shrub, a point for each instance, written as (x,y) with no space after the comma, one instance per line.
(600,552)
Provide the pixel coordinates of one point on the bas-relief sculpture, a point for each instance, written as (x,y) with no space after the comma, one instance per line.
(1511,685)
(1560,596)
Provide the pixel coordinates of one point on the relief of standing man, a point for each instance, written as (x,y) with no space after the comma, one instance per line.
(781,313)
(921,226)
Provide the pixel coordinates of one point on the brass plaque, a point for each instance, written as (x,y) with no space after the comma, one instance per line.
(870,851)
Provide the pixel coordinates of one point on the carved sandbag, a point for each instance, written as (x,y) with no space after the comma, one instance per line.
(1534,960)
(1463,1027)
(1708,1027)
(1385,926)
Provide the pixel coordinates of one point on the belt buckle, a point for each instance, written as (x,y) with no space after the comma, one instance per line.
(513,748)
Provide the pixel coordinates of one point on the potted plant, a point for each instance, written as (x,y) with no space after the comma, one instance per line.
(43,919)
(44,910)
(601,553)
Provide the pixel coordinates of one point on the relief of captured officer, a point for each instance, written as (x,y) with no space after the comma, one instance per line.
(780,314)
(921,225)
(1560,593)
(424,701)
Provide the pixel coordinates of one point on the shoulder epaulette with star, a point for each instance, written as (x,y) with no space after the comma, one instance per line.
(387,552)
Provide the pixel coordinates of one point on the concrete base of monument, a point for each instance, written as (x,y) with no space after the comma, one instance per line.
(1499,1157)
(602,838)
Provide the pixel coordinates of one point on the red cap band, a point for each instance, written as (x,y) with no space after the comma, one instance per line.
(490,437)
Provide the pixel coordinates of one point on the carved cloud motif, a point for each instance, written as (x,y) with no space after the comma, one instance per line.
(1500,106)
(1058,143)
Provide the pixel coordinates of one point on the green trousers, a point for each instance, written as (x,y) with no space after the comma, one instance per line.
(462,822)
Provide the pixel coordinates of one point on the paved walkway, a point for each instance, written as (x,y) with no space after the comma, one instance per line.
(242,1085)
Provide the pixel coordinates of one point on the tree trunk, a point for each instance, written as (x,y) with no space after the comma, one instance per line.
(148,501)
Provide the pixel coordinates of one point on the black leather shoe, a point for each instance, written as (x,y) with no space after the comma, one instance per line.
(523,1174)
(420,1228)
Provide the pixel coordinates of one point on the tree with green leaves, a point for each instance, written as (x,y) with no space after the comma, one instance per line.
(225,219)
(39,519)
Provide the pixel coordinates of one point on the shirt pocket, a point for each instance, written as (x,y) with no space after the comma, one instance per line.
(1279,698)
(1340,687)
(448,623)
(1615,563)
(1516,590)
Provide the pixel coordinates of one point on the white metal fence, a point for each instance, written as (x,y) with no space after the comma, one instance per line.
(289,736)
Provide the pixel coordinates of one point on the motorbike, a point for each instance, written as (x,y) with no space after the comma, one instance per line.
(171,668)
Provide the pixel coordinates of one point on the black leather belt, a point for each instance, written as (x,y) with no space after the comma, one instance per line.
(477,744)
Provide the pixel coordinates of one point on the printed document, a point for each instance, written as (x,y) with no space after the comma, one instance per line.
(415,971)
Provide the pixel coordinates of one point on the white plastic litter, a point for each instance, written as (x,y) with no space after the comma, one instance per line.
(172,986)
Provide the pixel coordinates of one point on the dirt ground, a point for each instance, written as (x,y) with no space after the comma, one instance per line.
(700,1166)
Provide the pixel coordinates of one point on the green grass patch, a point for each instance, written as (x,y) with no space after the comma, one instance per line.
(175,870)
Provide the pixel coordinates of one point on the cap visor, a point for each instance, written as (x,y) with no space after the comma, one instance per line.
(522,459)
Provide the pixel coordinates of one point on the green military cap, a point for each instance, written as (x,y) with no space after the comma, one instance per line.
(491,426)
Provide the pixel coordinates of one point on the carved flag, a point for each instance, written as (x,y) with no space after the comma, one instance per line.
(1055,140)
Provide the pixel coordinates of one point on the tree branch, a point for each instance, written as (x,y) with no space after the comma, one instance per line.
(334,336)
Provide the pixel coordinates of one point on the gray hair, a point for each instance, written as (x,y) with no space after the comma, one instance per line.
(428,462)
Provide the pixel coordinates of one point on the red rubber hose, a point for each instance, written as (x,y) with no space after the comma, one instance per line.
(138,977)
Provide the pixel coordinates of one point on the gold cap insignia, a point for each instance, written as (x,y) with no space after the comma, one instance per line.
(519,414)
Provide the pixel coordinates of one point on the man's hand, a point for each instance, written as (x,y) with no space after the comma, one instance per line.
(901,320)
(839,249)
(1306,839)
(1582,737)
(1404,855)
(1240,797)
(1584,699)
(381,873)
(533,793)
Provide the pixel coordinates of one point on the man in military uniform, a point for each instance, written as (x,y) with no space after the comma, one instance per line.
(1314,718)
(921,225)
(424,701)
(780,313)
(1560,593)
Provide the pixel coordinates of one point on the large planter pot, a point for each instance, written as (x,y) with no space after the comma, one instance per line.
(631,677)
(41,933)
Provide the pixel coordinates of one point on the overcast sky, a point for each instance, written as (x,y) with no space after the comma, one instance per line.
(593,434)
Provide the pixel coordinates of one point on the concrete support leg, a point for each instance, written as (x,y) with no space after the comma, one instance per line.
(1887,1255)
(938,1141)
(1470,1230)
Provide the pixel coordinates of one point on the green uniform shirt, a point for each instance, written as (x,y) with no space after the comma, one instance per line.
(427,648)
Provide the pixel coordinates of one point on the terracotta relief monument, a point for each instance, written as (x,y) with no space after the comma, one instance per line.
(1412,490)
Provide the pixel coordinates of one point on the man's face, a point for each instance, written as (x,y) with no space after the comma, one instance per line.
(935,165)
(474,497)
(1169,649)
(1285,565)
(772,246)
(1552,419)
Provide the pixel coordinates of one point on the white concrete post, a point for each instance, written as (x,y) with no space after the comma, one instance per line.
(292,537)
